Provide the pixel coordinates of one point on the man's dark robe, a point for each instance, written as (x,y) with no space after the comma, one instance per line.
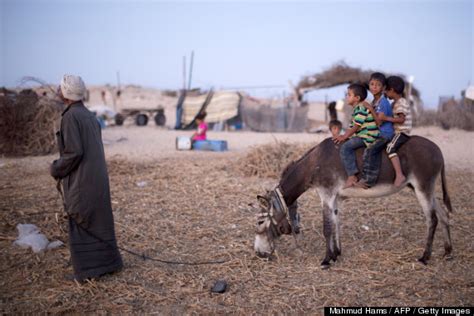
(83,171)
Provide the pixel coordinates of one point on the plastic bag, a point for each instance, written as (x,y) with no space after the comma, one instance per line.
(30,236)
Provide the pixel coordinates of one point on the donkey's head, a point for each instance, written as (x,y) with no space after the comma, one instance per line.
(272,222)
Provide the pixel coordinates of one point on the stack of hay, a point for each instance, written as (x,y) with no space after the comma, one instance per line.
(268,161)
(28,123)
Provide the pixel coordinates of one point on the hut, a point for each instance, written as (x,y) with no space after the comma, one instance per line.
(341,73)
(220,106)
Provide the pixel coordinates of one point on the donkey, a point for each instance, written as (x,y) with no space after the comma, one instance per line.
(321,168)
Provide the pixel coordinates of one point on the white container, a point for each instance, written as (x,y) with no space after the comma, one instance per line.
(183,143)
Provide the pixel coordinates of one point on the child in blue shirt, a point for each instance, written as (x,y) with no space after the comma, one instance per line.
(372,155)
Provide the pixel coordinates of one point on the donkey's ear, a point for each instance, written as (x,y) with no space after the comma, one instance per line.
(263,201)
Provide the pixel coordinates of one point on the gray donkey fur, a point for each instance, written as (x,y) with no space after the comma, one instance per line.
(321,168)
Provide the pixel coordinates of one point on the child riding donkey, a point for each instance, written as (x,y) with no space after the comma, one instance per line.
(383,116)
(395,125)
(362,132)
(402,123)
(372,154)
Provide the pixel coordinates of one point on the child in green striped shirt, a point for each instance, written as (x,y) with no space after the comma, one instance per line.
(363,132)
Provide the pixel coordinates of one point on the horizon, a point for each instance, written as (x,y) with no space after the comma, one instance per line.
(238,44)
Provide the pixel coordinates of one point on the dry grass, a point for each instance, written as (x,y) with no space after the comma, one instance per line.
(197,210)
(452,118)
(28,123)
(268,161)
(457,118)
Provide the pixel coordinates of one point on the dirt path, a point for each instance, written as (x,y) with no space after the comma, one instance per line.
(151,143)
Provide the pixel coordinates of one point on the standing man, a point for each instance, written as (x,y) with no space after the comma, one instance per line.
(83,171)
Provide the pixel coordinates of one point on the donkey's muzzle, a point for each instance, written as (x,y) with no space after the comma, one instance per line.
(263,255)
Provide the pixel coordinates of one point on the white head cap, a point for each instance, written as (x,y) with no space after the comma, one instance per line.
(73,88)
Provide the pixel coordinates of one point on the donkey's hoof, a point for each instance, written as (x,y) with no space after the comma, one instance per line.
(448,257)
(325,265)
(423,260)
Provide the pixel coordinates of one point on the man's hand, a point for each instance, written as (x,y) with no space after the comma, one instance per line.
(339,139)
(51,170)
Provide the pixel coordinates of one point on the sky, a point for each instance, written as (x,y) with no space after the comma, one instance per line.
(238,44)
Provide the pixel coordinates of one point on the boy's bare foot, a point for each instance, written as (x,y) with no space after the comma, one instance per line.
(361,184)
(351,181)
(399,180)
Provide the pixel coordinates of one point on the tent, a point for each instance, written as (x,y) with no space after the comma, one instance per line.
(220,106)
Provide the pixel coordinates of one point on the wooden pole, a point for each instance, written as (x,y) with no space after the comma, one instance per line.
(326,109)
(116,96)
(191,70)
(184,72)
(118,80)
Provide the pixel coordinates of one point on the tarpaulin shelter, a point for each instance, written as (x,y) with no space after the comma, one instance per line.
(220,106)
(233,107)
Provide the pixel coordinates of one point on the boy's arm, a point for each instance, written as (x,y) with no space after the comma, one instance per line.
(399,118)
(349,132)
(382,117)
(371,109)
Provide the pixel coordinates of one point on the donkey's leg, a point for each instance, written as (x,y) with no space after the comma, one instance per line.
(425,196)
(337,240)
(294,217)
(330,228)
(443,217)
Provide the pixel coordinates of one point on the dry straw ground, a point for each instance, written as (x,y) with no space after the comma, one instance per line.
(195,208)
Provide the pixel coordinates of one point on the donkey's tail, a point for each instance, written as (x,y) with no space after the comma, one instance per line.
(444,185)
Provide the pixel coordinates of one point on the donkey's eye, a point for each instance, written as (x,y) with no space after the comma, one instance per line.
(260,222)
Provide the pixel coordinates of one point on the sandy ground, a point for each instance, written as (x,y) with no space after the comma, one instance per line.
(152,143)
(193,206)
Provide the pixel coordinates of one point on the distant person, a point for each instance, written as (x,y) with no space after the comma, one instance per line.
(200,134)
(81,167)
(335,127)
(363,132)
(402,123)
(86,96)
(332,111)
(102,95)
(372,154)
(117,100)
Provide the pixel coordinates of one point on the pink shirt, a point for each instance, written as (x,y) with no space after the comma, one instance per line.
(201,133)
